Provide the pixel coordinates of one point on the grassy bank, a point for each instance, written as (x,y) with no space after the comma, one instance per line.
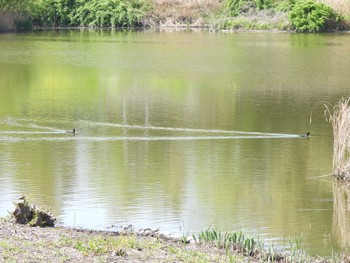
(22,243)
(287,15)
(26,237)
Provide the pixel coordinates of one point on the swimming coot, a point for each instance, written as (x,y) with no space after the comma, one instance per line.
(305,135)
(72,131)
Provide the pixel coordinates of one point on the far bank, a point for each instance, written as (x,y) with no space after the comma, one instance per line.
(236,15)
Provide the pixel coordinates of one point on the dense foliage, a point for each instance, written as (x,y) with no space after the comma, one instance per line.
(54,12)
(309,16)
(236,7)
(101,13)
(304,15)
(25,6)
(109,13)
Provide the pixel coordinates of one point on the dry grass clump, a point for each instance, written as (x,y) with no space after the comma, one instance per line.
(341,6)
(26,213)
(8,20)
(182,12)
(340,119)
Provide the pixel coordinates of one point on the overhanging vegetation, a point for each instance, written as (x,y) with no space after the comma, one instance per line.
(295,15)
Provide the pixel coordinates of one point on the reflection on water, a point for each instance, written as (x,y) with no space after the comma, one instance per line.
(341,212)
(179,130)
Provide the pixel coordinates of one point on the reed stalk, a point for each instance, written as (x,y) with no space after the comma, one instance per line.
(339,117)
(340,120)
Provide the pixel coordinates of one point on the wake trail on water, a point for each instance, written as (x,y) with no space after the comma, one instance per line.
(145,127)
(18,122)
(227,134)
(35,126)
(31,132)
(126,138)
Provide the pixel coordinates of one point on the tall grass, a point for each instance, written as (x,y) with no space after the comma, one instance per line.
(237,240)
(339,117)
(11,20)
(254,250)
(340,120)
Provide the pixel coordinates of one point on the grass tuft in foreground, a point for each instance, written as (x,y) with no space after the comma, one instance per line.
(245,244)
(237,242)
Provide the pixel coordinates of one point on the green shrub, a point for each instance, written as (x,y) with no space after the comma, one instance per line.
(265,4)
(284,5)
(99,13)
(109,13)
(309,16)
(236,7)
(23,6)
(53,12)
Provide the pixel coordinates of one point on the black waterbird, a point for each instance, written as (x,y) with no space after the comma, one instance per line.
(72,131)
(305,135)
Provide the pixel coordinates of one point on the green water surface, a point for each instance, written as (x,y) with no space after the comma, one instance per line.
(176,130)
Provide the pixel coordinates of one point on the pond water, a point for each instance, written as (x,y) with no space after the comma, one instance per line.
(175,130)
